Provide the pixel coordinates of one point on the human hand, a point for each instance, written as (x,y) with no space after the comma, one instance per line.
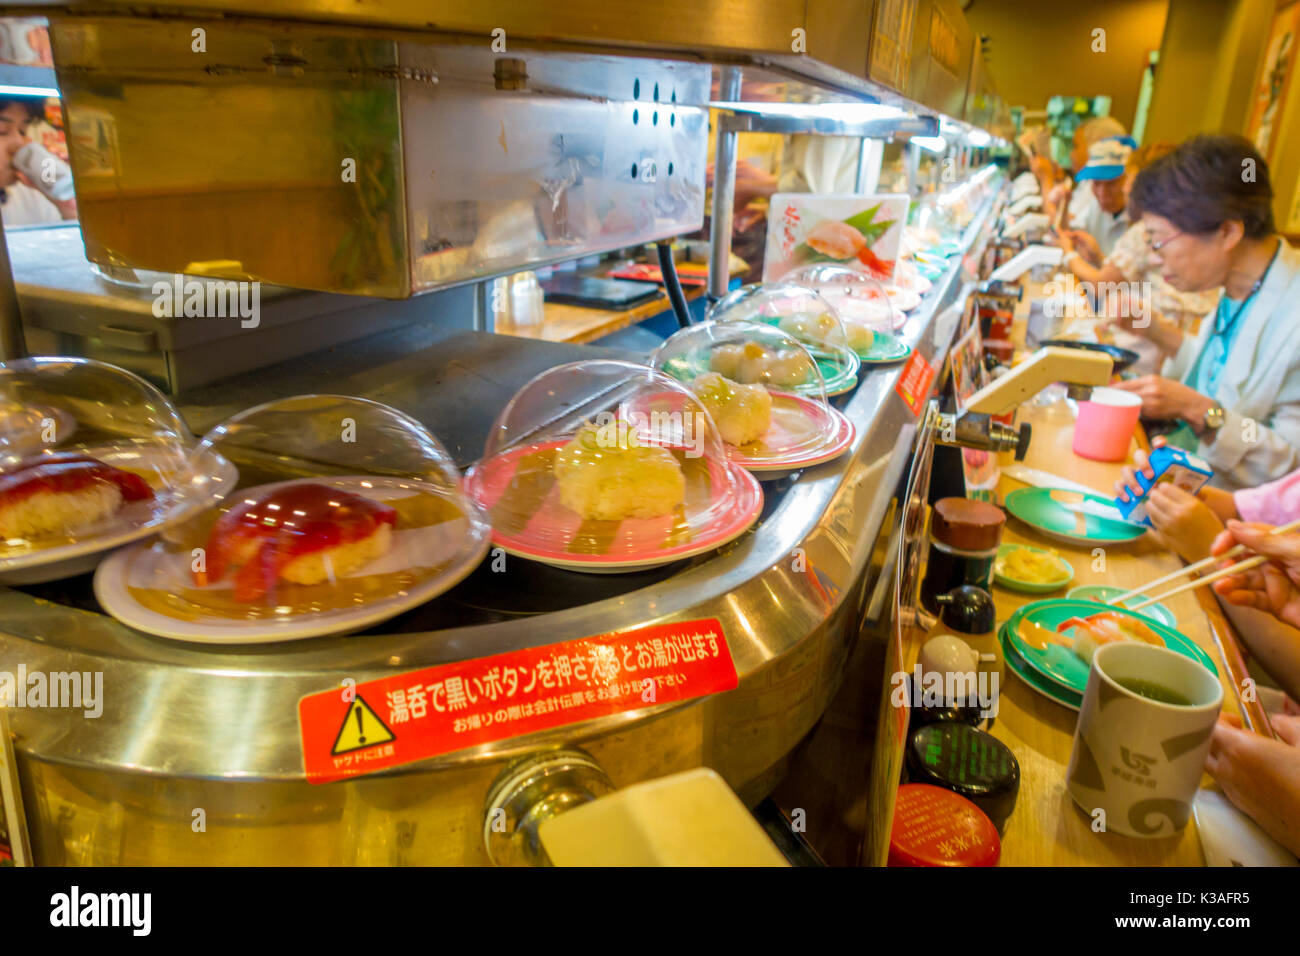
(1165,398)
(1085,245)
(1187,523)
(1274,586)
(1127,488)
(1261,776)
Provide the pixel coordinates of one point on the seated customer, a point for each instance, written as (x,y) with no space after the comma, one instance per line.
(1099,225)
(1081,200)
(1236,385)
(1258,774)
(1130,267)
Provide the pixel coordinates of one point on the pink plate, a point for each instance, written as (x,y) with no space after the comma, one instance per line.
(538,527)
(803,433)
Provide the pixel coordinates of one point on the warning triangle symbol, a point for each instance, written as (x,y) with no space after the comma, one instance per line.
(361,728)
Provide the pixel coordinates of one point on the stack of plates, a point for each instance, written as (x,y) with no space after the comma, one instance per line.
(1057,672)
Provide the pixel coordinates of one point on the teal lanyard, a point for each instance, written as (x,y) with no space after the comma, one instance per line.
(1225,332)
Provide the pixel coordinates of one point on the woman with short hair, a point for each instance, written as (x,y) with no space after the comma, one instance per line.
(1235,386)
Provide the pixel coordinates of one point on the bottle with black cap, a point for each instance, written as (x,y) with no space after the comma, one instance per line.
(968,612)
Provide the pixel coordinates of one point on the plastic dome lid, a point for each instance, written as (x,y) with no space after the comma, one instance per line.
(345,513)
(728,363)
(91,457)
(860,299)
(602,465)
(800,312)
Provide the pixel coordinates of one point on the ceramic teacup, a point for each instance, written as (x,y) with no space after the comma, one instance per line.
(1136,758)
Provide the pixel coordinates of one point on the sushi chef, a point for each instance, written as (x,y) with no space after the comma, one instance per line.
(1234,386)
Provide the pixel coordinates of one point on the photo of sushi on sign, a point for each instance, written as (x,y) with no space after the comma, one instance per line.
(860,232)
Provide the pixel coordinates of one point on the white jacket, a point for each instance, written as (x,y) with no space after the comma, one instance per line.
(1260,384)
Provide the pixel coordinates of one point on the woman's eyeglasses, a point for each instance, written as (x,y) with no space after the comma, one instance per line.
(1157,246)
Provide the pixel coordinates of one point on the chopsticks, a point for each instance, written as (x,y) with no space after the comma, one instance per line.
(1201,565)
(1237,568)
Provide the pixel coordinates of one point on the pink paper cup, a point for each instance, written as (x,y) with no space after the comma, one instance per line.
(1105,424)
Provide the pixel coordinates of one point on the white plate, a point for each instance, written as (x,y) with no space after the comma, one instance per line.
(458,545)
(214,479)
(904,300)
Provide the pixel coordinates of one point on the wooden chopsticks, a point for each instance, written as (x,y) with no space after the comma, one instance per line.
(1201,566)
(1252,562)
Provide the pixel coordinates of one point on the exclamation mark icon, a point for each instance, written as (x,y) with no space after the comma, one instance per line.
(361,729)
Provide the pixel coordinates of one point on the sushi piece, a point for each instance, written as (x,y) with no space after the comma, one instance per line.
(788,367)
(607,474)
(1096,630)
(726,359)
(752,362)
(303,534)
(812,329)
(45,495)
(860,337)
(838,240)
(743,413)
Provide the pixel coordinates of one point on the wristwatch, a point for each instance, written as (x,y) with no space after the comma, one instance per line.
(1214,417)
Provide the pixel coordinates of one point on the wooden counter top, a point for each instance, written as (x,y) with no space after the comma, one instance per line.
(1047,829)
(579,324)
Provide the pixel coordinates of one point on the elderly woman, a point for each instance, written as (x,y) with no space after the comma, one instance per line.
(1235,386)
(1131,262)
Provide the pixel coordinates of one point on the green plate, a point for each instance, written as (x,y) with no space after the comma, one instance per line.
(1058,664)
(1157,612)
(1031,587)
(1037,507)
(1016,664)
(884,348)
(838,378)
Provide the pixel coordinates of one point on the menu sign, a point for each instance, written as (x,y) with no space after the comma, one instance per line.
(361,728)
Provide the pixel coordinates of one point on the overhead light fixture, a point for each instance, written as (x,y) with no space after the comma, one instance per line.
(935,144)
(842,112)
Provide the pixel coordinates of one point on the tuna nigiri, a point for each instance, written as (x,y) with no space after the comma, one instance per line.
(58,493)
(303,534)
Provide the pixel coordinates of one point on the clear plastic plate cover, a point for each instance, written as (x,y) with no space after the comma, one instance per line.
(800,312)
(603,465)
(862,301)
(91,456)
(346,512)
(731,365)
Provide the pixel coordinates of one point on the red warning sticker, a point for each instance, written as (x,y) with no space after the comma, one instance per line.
(913,385)
(412,716)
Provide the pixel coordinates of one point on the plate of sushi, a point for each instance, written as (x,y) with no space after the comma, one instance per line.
(1049,689)
(296,559)
(787,368)
(61,511)
(773,432)
(1057,638)
(611,499)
